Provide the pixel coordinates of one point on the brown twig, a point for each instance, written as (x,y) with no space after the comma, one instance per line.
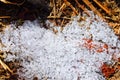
(69,4)
(5,66)
(82,7)
(2,17)
(88,3)
(103,7)
(8,2)
(113,24)
(62,7)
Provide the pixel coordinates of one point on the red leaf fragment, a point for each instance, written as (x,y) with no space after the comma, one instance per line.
(107,70)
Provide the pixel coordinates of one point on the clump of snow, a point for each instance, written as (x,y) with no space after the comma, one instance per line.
(61,56)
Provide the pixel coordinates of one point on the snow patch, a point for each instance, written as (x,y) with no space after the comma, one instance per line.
(60,56)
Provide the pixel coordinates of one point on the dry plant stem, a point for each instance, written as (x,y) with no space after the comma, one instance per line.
(3,25)
(2,17)
(88,3)
(57,17)
(8,2)
(54,8)
(113,24)
(5,66)
(54,13)
(1,56)
(69,4)
(82,7)
(53,17)
(62,7)
(103,7)
(51,3)
(4,77)
(62,22)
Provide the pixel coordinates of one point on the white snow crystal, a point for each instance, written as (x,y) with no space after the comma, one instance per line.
(60,56)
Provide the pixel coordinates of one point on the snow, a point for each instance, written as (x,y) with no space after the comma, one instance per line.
(64,55)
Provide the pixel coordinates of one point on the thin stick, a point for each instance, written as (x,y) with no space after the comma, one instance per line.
(62,7)
(69,4)
(113,24)
(54,8)
(57,17)
(103,7)
(2,17)
(82,7)
(5,66)
(8,2)
(88,3)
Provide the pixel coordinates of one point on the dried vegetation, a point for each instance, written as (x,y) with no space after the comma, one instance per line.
(111,71)
(8,69)
(62,12)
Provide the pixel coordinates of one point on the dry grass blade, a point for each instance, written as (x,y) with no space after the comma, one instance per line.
(82,7)
(115,27)
(2,28)
(62,7)
(107,10)
(4,17)
(114,24)
(5,66)
(69,4)
(8,2)
(103,7)
(88,3)
(2,24)
(55,12)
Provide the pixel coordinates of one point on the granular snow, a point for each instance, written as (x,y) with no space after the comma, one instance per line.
(64,55)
